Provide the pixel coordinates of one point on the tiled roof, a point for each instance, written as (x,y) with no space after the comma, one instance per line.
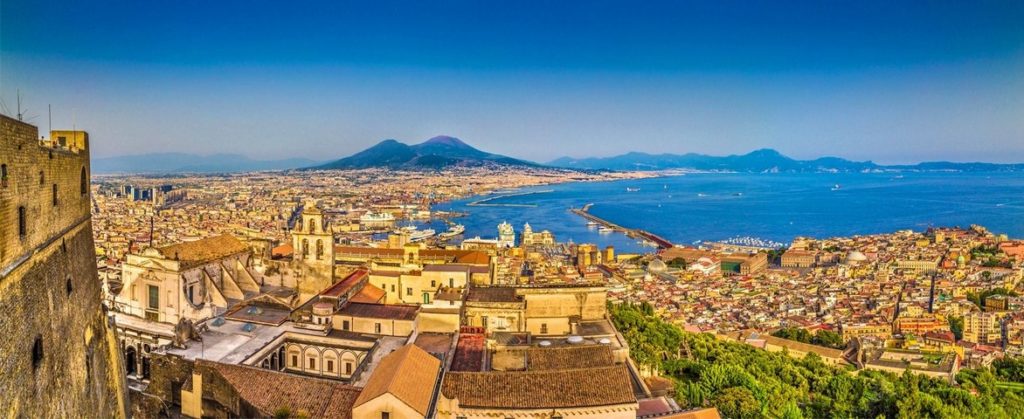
(204,250)
(540,389)
(270,390)
(408,374)
(369,294)
(569,357)
(380,311)
(345,285)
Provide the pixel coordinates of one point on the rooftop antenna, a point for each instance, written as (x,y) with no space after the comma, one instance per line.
(19,104)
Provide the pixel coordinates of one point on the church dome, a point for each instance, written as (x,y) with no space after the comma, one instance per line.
(657,266)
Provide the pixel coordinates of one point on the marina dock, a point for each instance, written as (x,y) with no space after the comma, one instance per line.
(630,232)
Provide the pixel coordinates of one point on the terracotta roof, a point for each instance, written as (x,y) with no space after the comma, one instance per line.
(469,353)
(370,294)
(345,285)
(569,357)
(204,250)
(270,390)
(380,311)
(540,389)
(282,250)
(367,251)
(409,374)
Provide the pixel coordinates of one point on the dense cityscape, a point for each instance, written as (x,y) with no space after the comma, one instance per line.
(511,210)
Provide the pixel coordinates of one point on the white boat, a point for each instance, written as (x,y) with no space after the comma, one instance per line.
(377,217)
(421,234)
(591,224)
(837,187)
(632,189)
(604,230)
(455,230)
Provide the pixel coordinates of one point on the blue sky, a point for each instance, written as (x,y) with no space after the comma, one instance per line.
(893,83)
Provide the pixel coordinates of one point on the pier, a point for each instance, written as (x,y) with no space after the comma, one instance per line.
(630,232)
(485,202)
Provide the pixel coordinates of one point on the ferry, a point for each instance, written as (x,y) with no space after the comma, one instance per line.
(455,230)
(421,234)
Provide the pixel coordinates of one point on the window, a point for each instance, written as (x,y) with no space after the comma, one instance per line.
(305,248)
(348,368)
(295,360)
(385,415)
(22,226)
(37,352)
(319,249)
(55,194)
(451,282)
(376,328)
(408,291)
(543,328)
(3,174)
(344,325)
(42,177)
(330,365)
(154,297)
(312,363)
(392,287)
(433,283)
(84,183)
(426,298)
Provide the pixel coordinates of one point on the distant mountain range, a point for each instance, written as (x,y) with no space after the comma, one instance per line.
(435,153)
(763,160)
(191,163)
(444,151)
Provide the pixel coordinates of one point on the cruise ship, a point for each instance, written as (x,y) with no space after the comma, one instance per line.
(376,219)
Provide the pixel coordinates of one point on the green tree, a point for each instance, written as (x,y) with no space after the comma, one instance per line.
(956,325)
(738,403)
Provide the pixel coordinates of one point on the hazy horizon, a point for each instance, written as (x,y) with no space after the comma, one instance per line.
(890,83)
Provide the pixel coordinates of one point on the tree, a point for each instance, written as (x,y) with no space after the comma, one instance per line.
(737,402)
(956,325)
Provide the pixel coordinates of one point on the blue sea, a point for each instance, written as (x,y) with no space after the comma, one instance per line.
(776,207)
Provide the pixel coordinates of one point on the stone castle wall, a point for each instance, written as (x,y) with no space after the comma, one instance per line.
(58,353)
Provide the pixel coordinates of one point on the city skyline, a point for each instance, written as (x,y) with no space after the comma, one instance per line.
(891,84)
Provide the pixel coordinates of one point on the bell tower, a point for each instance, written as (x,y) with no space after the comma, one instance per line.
(313,244)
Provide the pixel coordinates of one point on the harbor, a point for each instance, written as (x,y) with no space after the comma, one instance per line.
(584,212)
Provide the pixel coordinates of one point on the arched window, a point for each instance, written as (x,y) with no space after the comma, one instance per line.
(22,222)
(305,247)
(319,249)
(84,183)
(312,226)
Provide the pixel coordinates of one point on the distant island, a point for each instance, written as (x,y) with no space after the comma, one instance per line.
(764,160)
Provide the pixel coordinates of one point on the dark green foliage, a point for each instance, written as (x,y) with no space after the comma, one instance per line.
(956,325)
(821,337)
(743,381)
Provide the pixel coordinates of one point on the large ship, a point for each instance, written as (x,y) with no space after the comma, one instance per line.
(421,234)
(377,220)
